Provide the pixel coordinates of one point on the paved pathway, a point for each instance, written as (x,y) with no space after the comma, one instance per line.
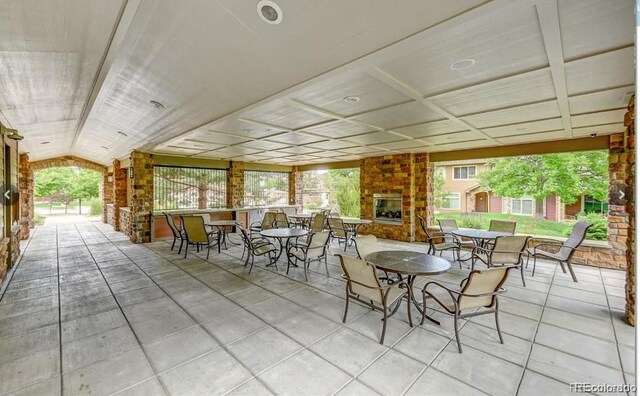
(87,312)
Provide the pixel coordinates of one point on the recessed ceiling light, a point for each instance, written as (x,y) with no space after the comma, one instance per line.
(156,104)
(121,133)
(269,12)
(105,147)
(351,99)
(45,142)
(462,64)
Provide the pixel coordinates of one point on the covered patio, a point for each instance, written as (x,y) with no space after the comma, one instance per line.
(212,113)
(141,319)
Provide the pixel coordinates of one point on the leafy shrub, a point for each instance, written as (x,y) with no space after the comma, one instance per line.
(96,206)
(598,230)
(38,219)
(471,220)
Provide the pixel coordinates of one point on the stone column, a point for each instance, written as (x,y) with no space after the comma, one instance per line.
(119,191)
(295,188)
(141,197)
(235,185)
(107,194)
(26,186)
(630,287)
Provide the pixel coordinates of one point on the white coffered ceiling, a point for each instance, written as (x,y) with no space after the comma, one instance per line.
(80,74)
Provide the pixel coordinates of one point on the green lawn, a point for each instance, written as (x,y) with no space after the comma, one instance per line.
(56,205)
(526,224)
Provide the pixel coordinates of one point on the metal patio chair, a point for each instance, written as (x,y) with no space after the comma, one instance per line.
(506,251)
(178,232)
(257,246)
(196,234)
(315,250)
(434,247)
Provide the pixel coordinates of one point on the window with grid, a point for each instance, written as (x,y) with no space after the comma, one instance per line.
(464,172)
(266,188)
(451,201)
(189,188)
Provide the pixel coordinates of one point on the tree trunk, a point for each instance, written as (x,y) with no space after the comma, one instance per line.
(202,196)
(539,209)
(66,206)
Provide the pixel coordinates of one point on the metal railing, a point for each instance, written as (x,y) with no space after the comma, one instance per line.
(266,188)
(189,188)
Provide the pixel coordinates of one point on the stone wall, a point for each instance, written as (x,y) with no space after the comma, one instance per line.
(15,243)
(141,197)
(111,215)
(126,226)
(405,174)
(295,187)
(107,195)
(630,207)
(4,258)
(235,185)
(68,160)
(618,195)
(26,186)
(119,192)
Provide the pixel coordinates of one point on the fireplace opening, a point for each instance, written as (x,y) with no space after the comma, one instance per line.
(387,208)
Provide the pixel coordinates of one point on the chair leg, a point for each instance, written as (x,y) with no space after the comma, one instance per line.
(345,244)
(384,322)
(534,266)
(459,261)
(305,264)
(185,250)
(424,308)
(573,275)
(208,250)
(174,243)
(409,300)
(181,243)
(326,266)
(498,323)
(522,273)
(346,304)
(252,258)
(455,327)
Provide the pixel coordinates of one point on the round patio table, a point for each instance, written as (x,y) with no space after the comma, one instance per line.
(479,237)
(304,218)
(223,226)
(355,223)
(283,233)
(412,264)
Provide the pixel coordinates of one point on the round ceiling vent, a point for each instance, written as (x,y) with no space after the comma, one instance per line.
(462,64)
(269,12)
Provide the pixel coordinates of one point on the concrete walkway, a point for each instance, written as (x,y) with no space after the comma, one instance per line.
(87,312)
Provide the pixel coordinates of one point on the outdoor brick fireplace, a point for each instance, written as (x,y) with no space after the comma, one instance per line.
(387,208)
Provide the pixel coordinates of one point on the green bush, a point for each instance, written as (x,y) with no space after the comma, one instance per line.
(38,219)
(96,206)
(598,230)
(471,220)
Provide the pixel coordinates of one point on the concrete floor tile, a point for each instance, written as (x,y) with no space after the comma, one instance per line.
(479,368)
(139,295)
(274,309)
(510,324)
(92,325)
(370,325)
(307,327)
(161,325)
(11,297)
(153,387)
(215,373)
(252,295)
(534,384)
(91,349)
(251,388)
(27,343)
(168,352)
(82,308)
(485,339)
(48,387)
(583,324)
(436,383)
(357,388)
(596,311)
(422,345)
(392,374)
(263,349)
(304,372)
(108,376)
(29,306)
(348,350)
(580,295)
(569,368)
(23,323)
(29,369)
(600,351)
(212,309)
(234,325)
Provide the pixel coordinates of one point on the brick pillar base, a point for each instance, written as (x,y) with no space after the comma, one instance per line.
(295,188)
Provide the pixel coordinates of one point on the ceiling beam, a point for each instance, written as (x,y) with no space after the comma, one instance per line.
(125,18)
(550,28)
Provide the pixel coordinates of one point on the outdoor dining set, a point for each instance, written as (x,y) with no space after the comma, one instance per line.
(383,279)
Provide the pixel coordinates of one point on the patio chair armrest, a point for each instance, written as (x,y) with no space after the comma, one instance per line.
(499,291)
(450,290)
(553,244)
(545,241)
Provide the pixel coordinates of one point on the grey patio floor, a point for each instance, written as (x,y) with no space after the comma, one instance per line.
(88,312)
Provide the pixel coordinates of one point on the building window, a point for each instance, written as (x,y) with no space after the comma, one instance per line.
(464,172)
(592,205)
(451,201)
(189,188)
(522,206)
(266,188)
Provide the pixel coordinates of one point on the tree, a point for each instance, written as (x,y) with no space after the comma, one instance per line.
(66,184)
(179,187)
(568,175)
(438,183)
(344,186)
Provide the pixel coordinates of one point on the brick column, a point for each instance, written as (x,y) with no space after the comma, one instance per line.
(295,188)
(630,287)
(26,186)
(107,194)
(235,185)
(119,191)
(423,199)
(141,197)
